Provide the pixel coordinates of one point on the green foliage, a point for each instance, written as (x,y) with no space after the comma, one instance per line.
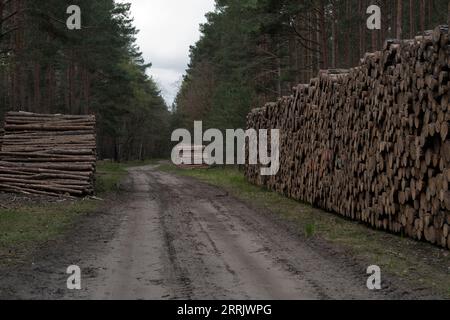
(25,228)
(45,67)
(310,230)
(254,51)
(108,176)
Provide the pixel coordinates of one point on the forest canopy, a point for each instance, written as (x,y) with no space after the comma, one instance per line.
(254,51)
(47,68)
(250,52)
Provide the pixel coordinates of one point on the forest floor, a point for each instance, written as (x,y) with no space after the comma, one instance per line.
(172,234)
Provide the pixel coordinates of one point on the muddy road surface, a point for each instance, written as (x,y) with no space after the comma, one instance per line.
(177,238)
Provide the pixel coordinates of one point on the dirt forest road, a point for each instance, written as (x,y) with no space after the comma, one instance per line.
(177,238)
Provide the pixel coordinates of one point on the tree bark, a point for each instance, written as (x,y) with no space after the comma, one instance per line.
(411,19)
(324,37)
(422,16)
(399,19)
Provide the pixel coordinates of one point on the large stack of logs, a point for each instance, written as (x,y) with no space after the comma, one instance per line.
(48,154)
(371,143)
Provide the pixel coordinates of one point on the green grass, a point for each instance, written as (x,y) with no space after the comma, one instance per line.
(27,227)
(418,263)
(109,174)
(310,230)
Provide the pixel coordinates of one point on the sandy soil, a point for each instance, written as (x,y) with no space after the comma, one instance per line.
(176,238)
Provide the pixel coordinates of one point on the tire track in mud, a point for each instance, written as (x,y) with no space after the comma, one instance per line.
(239,240)
(177,238)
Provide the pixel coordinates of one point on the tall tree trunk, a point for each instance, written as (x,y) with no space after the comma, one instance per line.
(430,13)
(334,43)
(24,105)
(279,88)
(394,18)
(324,37)
(2,9)
(304,62)
(361,31)
(16,66)
(448,14)
(67,89)
(411,19)
(87,86)
(50,89)
(385,23)
(422,15)
(21,73)
(349,36)
(399,19)
(37,87)
(318,41)
(373,36)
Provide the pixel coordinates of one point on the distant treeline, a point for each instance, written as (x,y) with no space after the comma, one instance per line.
(47,68)
(253,51)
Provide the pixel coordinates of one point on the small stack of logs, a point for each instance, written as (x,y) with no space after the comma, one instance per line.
(48,154)
(371,143)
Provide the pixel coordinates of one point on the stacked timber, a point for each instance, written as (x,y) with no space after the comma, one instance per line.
(48,154)
(191,157)
(371,143)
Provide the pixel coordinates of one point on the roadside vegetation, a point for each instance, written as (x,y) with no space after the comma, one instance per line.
(108,177)
(104,73)
(26,223)
(25,228)
(110,173)
(420,264)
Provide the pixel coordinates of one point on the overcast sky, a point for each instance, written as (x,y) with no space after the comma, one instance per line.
(167,29)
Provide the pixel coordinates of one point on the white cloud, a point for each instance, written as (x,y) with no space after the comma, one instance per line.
(167,29)
(168,81)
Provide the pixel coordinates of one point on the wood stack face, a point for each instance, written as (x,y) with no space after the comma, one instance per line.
(48,154)
(371,143)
